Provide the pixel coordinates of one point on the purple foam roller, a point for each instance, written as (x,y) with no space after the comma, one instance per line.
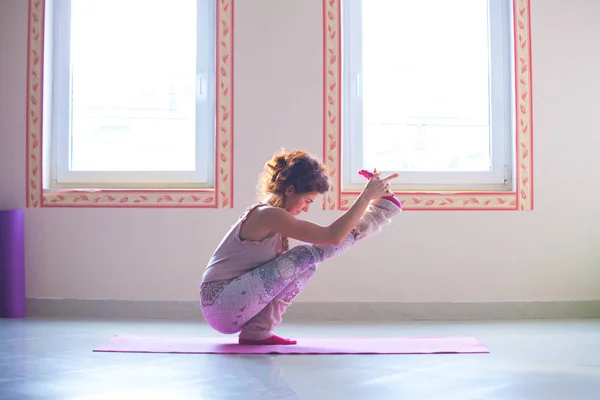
(12,264)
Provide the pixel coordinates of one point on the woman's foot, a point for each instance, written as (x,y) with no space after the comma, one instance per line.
(392,198)
(379,213)
(272,340)
(259,330)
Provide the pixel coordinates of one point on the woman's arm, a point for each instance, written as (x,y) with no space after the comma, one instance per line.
(279,220)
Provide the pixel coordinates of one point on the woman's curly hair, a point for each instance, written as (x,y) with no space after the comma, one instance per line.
(296,168)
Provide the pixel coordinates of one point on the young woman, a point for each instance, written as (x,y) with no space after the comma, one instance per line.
(253,275)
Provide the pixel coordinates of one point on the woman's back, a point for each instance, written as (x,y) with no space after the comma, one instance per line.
(235,256)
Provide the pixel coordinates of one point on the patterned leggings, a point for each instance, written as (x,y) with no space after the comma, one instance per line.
(256,300)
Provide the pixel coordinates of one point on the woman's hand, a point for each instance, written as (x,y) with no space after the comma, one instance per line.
(379,187)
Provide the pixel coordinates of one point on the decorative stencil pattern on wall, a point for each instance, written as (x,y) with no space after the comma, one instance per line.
(520,199)
(221,196)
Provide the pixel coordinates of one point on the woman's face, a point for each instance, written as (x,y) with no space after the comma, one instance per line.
(297,203)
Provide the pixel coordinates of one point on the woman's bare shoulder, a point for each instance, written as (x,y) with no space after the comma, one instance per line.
(259,222)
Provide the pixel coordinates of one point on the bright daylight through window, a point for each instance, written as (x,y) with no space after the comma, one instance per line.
(133,94)
(428,92)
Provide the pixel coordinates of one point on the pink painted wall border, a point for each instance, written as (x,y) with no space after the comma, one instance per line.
(219,197)
(520,199)
(35,60)
(332,104)
(524,104)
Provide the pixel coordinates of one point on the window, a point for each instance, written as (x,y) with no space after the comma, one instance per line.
(427,92)
(133,104)
(436,90)
(129,103)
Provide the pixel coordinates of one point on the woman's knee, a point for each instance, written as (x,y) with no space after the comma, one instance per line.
(311,270)
(307,254)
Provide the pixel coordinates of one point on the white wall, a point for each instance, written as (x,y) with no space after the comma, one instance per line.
(552,253)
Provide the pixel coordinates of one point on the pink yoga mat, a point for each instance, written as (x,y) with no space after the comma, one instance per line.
(228,345)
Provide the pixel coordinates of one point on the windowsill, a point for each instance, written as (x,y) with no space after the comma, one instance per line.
(127,189)
(438,200)
(403,187)
(151,198)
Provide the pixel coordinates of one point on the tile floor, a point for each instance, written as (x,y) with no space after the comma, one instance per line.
(545,360)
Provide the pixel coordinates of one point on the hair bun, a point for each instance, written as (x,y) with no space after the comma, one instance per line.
(278,164)
(282,161)
(298,169)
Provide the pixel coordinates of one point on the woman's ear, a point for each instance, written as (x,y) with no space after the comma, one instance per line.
(289,190)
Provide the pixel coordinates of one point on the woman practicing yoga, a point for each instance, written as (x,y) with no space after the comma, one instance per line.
(253,275)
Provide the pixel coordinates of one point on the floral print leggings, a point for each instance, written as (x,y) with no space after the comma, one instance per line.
(229,304)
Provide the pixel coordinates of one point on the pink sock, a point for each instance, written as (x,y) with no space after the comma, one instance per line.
(392,198)
(274,339)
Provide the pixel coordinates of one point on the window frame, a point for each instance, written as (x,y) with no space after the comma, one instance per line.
(519,196)
(41,192)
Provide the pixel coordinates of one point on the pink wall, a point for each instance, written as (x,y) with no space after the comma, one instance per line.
(548,254)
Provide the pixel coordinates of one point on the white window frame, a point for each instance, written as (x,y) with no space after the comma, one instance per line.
(62,177)
(500,177)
